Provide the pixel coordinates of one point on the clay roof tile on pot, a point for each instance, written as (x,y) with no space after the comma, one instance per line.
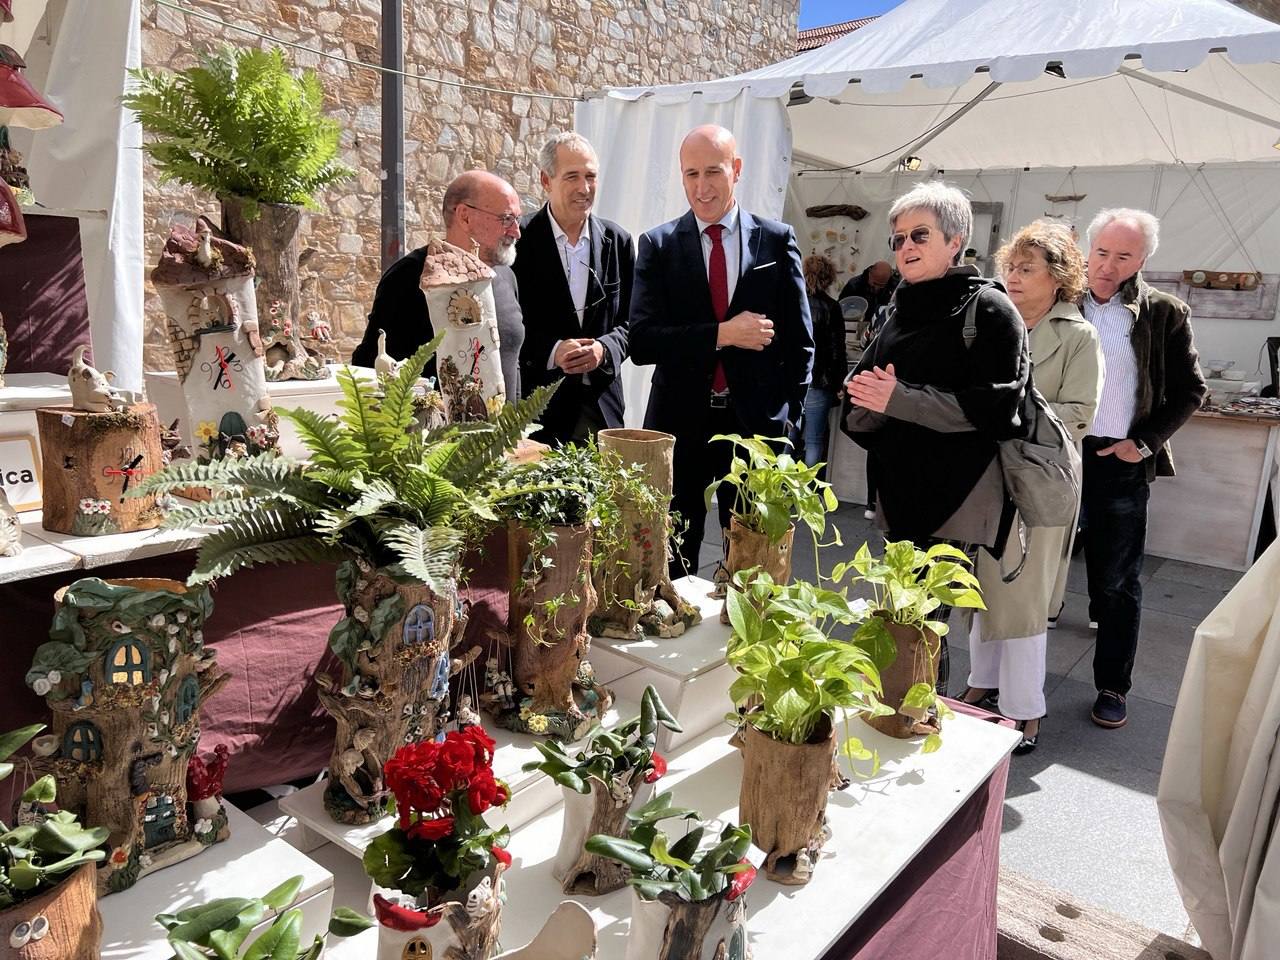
(447,266)
(200,255)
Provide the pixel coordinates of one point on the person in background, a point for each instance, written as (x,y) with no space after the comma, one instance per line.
(1153,386)
(875,285)
(575,272)
(929,408)
(1043,271)
(829,361)
(481,214)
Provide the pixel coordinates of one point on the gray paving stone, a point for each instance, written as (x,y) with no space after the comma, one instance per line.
(1197,574)
(1164,641)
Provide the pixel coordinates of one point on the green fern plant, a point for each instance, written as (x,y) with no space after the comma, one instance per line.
(373,486)
(239,124)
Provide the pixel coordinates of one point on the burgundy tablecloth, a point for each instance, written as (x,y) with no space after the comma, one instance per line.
(943,905)
(42,296)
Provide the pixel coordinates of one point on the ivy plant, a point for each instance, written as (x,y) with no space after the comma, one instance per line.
(219,928)
(791,672)
(239,124)
(614,758)
(36,856)
(695,867)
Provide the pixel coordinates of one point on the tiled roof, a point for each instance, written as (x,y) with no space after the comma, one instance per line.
(819,36)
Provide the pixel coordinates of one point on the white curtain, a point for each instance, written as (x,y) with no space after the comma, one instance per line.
(638,142)
(1219,794)
(92,163)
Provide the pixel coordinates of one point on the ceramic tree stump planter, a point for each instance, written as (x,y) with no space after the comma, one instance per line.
(125,673)
(394,646)
(568,934)
(916,662)
(552,690)
(603,811)
(62,923)
(747,548)
(669,928)
(635,590)
(784,797)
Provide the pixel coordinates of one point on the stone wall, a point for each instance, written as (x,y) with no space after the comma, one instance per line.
(564,47)
(1263,8)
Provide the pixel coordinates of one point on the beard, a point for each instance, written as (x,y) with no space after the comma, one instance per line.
(504,254)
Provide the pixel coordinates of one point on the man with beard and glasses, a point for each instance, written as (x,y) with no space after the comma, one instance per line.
(481,214)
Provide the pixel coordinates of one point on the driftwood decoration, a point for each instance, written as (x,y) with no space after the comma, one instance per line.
(824,210)
(673,929)
(603,811)
(640,574)
(91,461)
(916,662)
(62,923)
(394,646)
(748,549)
(784,797)
(125,673)
(551,597)
(466,928)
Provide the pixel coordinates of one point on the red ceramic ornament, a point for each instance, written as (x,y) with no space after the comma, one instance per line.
(6,14)
(20,104)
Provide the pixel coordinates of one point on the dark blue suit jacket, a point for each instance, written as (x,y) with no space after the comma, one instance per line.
(672,326)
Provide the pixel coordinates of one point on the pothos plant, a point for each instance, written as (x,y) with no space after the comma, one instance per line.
(35,856)
(791,671)
(613,758)
(220,928)
(699,865)
(908,586)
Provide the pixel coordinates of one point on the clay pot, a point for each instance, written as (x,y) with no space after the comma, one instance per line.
(568,934)
(465,928)
(671,929)
(585,815)
(68,915)
(917,662)
(749,549)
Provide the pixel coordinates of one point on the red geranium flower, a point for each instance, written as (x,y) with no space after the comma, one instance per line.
(456,763)
(738,885)
(436,829)
(485,792)
(657,768)
(480,741)
(501,855)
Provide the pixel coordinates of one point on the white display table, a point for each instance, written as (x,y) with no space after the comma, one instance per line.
(249,863)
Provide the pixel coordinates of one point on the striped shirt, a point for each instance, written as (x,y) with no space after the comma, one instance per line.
(1114,322)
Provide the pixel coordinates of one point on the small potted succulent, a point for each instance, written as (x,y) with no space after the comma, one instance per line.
(48,883)
(908,586)
(687,895)
(772,491)
(219,929)
(441,861)
(795,680)
(612,774)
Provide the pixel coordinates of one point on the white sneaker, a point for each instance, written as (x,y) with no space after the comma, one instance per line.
(869,513)
(1093,624)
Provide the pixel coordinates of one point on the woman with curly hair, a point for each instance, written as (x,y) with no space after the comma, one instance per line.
(1044,272)
(830,363)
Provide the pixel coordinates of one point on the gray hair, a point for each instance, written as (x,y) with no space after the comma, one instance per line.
(566,138)
(1148,224)
(948,205)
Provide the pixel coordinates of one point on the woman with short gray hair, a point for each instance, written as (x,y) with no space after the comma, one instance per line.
(929,400)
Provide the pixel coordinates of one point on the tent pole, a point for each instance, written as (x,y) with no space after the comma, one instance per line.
(1199,97)
(937,131)
(392,132)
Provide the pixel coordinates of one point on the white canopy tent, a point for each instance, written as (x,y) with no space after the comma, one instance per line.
(976,87)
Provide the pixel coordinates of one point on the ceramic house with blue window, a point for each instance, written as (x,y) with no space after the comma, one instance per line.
(125,672)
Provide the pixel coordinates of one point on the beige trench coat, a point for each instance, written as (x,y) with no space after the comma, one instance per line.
(1067,361)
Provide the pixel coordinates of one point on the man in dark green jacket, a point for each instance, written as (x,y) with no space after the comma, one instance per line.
(1151,386)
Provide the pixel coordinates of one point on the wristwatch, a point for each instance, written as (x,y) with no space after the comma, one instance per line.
(1143,448)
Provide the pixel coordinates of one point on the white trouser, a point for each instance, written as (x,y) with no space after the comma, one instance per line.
(1015,667)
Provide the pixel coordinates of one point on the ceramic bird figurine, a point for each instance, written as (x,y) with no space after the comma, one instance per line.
(91,390)
(384,363)
(10,528)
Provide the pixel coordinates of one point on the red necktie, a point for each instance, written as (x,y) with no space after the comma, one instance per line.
(718,279)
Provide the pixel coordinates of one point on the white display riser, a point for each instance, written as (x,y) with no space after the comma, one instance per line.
(878,824)
(318,396)
(249,863)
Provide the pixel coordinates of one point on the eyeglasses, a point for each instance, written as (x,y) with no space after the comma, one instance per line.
(508,220)
(919,236)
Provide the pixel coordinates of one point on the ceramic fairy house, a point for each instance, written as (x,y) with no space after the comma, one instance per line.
(206,284)
(10,528)
(125,673)
(459,291)
(93,452)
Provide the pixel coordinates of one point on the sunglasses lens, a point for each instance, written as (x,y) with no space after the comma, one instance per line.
(896,242)
(920,236)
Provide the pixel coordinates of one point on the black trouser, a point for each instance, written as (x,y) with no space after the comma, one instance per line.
(1114,502)
(696,462)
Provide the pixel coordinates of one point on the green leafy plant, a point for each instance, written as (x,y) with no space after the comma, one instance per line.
(697,866)
(35,857)
(239,124)
(221,927)
(612,757)
(375,486)
(908,585)
(791,672)
(772,490)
